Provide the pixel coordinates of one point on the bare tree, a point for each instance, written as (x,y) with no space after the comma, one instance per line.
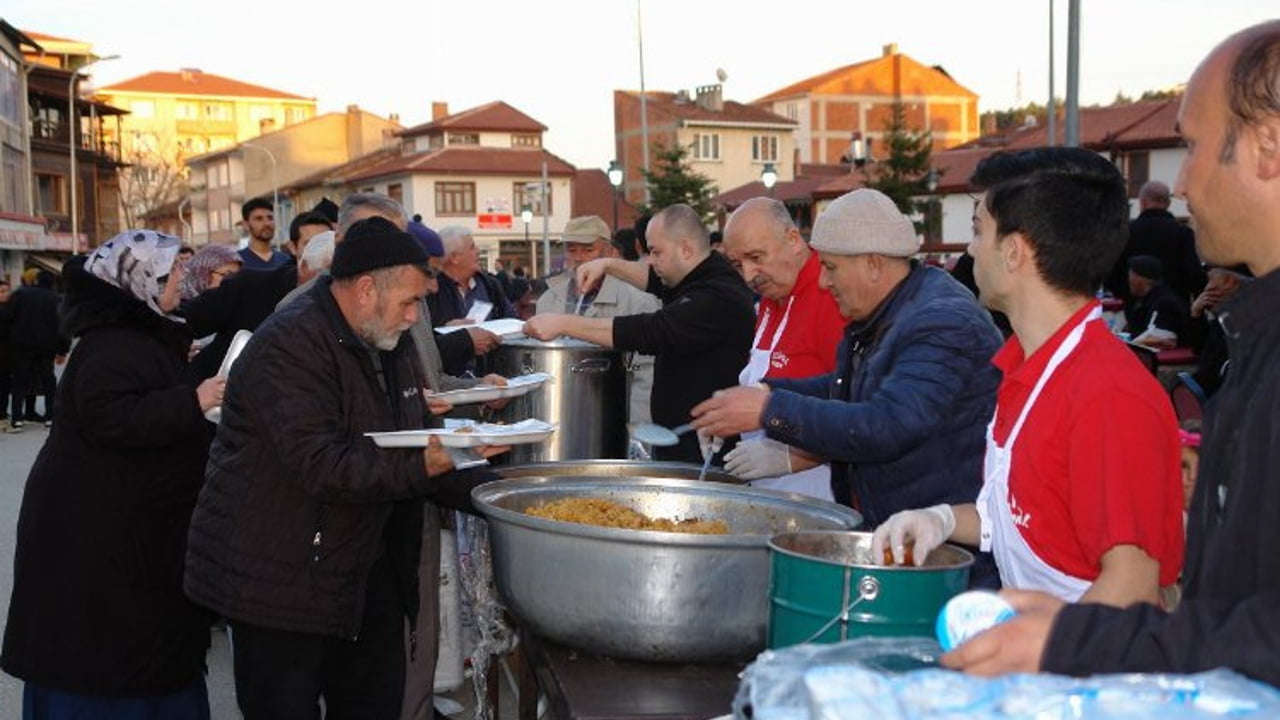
(155,177)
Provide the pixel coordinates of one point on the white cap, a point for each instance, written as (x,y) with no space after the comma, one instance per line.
(862,222)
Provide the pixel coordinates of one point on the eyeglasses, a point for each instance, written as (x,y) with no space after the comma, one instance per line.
(222,273)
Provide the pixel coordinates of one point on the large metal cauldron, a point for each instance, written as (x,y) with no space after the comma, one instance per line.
(587,398)
(654,596)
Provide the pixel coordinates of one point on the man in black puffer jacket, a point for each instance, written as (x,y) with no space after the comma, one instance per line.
(306,534)
(34,342)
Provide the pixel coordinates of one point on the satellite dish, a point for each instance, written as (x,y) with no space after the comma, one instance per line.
(721,75)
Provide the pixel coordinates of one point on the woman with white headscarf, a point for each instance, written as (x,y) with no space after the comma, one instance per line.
(98,624)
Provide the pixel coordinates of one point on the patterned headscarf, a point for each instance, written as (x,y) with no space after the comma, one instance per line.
(199,269)
(135,261)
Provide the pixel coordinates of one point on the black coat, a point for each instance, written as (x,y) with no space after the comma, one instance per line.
(456,349)
(241,303)
(97,605)
(1230,612)
(297,503)
(700,341)
(1159,234)
(33,321)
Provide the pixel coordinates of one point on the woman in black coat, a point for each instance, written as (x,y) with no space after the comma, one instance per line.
(98,624)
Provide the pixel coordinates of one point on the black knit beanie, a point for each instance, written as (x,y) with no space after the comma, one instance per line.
(375,243)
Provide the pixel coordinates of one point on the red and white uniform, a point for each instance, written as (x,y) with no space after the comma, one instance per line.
(1082,456)
(796,337)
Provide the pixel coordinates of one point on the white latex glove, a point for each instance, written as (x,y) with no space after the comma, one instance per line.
(929,528)
(759,458)
(709,445)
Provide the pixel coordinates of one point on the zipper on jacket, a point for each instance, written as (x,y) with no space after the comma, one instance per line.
(413,645)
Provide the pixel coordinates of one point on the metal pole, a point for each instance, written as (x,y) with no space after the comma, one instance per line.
(275,190)
(546,222)
(615,209)
(1073,74)
(1052,108)
(644,111)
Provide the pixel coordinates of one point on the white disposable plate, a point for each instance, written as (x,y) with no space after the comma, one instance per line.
(522,433)
(515,387)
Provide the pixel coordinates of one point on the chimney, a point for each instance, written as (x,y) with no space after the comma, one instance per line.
(394,118)
(709,98)
(682,96)
(189,74)
(890,49)
(439,110)
(355,132)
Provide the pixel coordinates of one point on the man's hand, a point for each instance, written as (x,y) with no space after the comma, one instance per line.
(548,326)
(496,380)
(435,458)
(482,340)
(435,405)
(1015,645)
(731,411)
(209,393)
(461,321)
(590,274)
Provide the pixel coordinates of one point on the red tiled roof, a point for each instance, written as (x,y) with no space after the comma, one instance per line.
(470,161)
(955,166)
(496,116)
(800,189)
(195,83)
(731,112)
(875,77)
(38,36)
(340,174)
(593,195)
(1103,127)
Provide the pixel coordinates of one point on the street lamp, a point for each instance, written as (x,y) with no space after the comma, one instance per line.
(71,143)
(769,176)
(615,179)
(931,184)
(275,188)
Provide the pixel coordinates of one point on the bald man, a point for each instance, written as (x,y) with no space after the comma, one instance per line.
(1157,233)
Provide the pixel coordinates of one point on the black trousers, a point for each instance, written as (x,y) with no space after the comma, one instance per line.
(283,675)
(32,373)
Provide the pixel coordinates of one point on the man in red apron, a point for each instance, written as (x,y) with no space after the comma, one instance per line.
(798,328)
(1081,496)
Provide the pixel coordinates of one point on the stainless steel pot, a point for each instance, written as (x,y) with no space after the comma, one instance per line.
(598,469)
(587,398)
(645,595)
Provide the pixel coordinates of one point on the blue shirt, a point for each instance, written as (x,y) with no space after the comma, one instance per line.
(253,262)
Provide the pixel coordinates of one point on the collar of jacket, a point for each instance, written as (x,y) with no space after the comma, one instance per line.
(713,264)
(1156,212)
(882,316)
(1251,312)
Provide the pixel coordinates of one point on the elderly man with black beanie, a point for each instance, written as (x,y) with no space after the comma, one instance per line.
(306,535)
(1154,305)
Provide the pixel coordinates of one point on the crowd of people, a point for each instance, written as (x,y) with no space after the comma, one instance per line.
(1002,414)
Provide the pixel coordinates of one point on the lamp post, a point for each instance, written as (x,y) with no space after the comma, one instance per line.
(71,143)
(615,179)
(526,215)
(769,176)
(931,184)
(275,188)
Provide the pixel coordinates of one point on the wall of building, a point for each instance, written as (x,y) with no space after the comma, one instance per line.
(735,167)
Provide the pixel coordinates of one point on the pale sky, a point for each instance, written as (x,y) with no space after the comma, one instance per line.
(560,60)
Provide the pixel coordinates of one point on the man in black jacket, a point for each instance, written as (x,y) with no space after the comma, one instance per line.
(464,284)
(1156,232)
(306,535)
(700,338)
(34,342)
(1230,612)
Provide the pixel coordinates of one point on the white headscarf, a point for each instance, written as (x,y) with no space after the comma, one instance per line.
(135,261)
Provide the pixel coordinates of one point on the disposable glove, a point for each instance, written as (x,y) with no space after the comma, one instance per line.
(759,458)
(929,528)
(709,445)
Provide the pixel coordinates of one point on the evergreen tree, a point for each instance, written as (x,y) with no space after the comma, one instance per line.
(903,174)
(672,181)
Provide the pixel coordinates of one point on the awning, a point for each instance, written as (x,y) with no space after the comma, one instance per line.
(52,263)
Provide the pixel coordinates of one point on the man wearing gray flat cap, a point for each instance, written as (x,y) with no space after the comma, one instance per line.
(902,416)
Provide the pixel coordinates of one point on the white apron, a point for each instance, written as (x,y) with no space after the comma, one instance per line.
(814,482)
(1020,567)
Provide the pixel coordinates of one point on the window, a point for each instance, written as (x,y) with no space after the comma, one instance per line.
(12,180)
(143,108)
(395,191)
(258,113)
(455,198)
(706,146)
(464,138)
(293,115)
(217,176)
(220,219)
(187,111)
(526,140)
(10,91)
(793,113)
(764,148)
(530,193)
(1137,171)
(145,143)
(217,111)
(51,194)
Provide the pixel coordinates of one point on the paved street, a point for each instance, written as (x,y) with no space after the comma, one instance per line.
(17,453)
